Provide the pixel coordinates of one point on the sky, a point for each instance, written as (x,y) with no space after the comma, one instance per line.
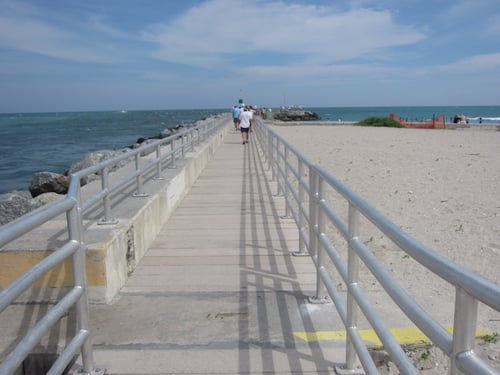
(86,55)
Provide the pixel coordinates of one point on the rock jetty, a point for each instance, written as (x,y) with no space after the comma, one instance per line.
(295,114)
(46,187)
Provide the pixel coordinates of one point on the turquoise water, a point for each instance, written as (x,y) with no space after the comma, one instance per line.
(36,142)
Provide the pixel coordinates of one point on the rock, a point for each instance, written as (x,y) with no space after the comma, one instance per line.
(46,198)
(20,202)
(165,133)
(16,204)
(47,187)
(48,182)
(296,115)
(93,158)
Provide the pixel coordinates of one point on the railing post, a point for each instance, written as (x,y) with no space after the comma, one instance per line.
(75,232)
(158,163)
(191,139)
(274,142)
(138,192)
(286,191)
(106,201)
(321,292)
(172,155)
(269,148)
(183,146)
(314,231)
(353,279)
(279,160)
(464,327)
(313,209)
(301,220)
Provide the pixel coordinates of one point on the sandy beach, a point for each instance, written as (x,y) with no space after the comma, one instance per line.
(440,186)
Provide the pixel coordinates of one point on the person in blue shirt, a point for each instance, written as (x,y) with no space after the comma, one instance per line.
(236,117)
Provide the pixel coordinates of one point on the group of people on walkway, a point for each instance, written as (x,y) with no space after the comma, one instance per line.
(243,120)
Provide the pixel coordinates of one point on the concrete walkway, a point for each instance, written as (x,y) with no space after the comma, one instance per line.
(219,291)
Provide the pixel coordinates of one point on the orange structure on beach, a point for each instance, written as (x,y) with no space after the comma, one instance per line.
(436,122)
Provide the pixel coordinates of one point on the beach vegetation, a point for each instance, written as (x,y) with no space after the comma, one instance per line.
(493,338)
(380,121)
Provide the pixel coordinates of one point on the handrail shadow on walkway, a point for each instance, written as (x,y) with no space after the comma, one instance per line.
(219,291)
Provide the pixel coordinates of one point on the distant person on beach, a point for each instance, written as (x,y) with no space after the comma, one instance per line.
(236,114)
(246,119)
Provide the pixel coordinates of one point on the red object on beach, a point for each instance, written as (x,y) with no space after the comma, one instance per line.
(436,123)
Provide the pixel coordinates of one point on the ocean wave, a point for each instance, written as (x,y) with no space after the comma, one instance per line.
(485,118)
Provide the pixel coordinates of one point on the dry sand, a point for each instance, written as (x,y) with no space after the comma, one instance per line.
(440,186)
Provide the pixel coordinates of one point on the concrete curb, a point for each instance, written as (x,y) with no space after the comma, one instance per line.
(112,250)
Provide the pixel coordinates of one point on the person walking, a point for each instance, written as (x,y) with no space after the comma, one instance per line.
(246,118)
(236,114)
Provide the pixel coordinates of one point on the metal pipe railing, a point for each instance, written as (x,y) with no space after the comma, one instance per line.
(74,206)
(311,210)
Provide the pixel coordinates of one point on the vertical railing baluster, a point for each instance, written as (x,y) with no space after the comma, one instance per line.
(353,279)
(191,139)
(106,201)
(313,217)
(316,229)
(279,159)
(301,219)
(172,155)
(286,191)
(464,326)
(269,148)
(158,162)
(321,292)
(75,232)
(139,187)
(183,146)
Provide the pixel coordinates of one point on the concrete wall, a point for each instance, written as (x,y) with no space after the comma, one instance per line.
(113,251)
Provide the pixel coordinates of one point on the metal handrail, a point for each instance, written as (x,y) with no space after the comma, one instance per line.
(311,220)
(166,152)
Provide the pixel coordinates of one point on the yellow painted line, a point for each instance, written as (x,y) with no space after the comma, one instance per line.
(409,335)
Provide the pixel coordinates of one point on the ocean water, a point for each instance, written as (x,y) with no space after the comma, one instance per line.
(475,114)
(36,142)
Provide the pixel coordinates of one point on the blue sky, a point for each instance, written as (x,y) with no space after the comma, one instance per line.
(69,55)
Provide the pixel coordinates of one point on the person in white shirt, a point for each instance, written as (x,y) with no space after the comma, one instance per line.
(246,119)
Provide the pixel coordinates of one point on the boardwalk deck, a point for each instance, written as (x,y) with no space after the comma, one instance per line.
(219,291)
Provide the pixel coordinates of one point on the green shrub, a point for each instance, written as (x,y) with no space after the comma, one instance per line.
(380,121)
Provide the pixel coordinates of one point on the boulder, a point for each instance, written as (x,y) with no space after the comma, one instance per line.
(93,158)
(165,133)
(15,204)
(296,115)
(47,198)
(48,182)
(19,202)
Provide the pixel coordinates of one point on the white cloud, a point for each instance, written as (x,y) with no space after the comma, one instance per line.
(33,36)
(475,64)
(299,71)
(206,35)
(23,28)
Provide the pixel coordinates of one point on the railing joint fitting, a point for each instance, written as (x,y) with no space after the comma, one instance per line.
(319,300)
(96,371)
(301,254)
(107,222)
(342,370)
